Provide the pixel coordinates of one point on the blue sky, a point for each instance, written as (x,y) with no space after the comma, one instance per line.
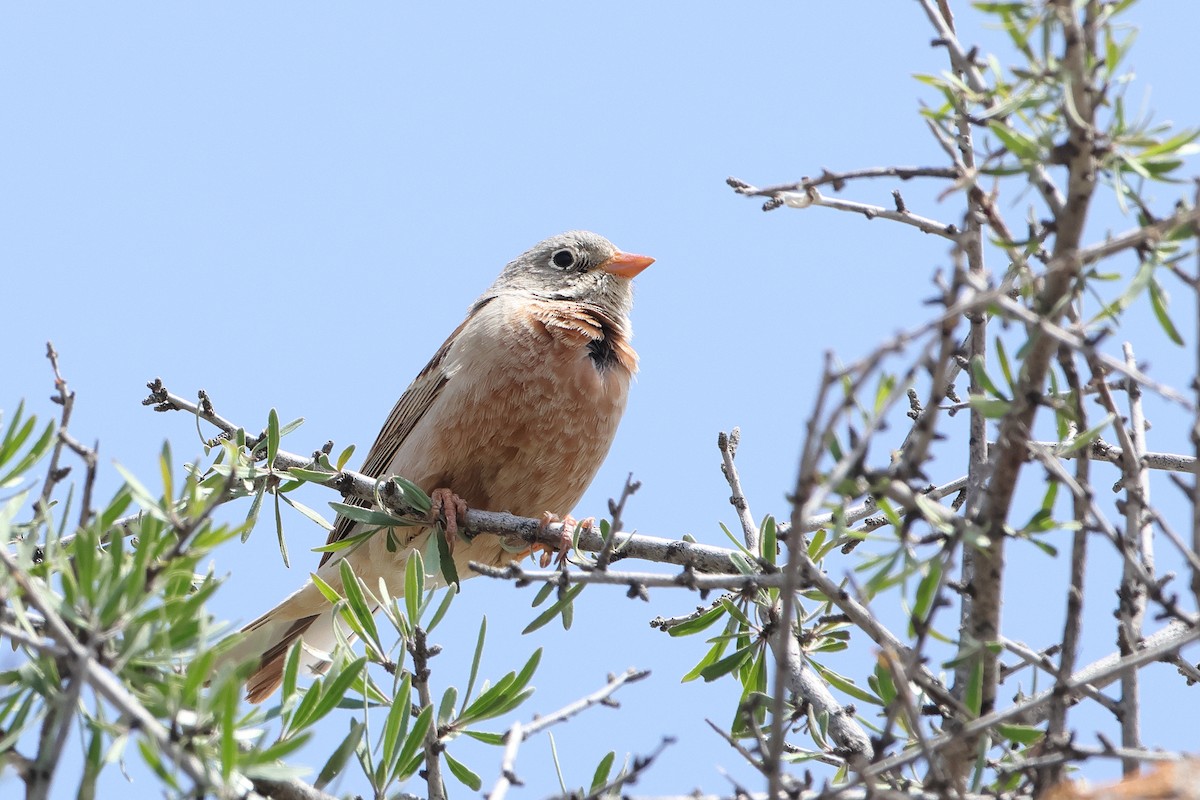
(291,205)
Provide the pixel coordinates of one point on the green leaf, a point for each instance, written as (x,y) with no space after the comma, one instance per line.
(753,703)
(562,784)
(710,657)
(1141,279)
(1021,734)
(462,772)
(164,465)
(927,592)
(291,671)
(991,409)
(414,497)
(1005,366)
(252,514)
(883,684)
(283,551)
(508,693)
(1177,145)
(1048,548)
(414,586)
(33,455)
(324,588)
(442,608)
(883,391)
(734,611)
(1087,437)
(743,564)
(553,611)
(341,755)
(226,707)
(272,437)
(475,662)
(844,684)
(17,433)
(370,516)
(1018,144)
(307,475)
(395,725)
(1158,301)
(974,696)
(727,664)
(542,594)
(700,623)
(344,544)
(150,755)
(495,739)
(344,457)
(446,707)
(306,511)
(91,766)
(449,570)
(303,710)
(149,503)
(769,545)
(526,673)
(357,605)
(603,770)
(412,743)
(335,688)
(979,373)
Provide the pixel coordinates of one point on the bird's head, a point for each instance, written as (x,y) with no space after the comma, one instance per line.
(580,266)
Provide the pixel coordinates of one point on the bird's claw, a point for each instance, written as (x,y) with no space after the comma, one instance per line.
(447,507)
(559,554)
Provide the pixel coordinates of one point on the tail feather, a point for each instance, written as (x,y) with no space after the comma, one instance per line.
(269,675)
(272,635)
(306,615)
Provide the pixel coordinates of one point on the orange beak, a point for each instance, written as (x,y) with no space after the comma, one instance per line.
(626,265)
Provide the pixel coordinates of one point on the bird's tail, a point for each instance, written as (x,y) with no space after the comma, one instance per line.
(306,615)
(272,634)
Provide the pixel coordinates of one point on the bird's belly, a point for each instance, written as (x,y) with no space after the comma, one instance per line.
(530,443)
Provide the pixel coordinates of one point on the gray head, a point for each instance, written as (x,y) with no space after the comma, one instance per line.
(577,265)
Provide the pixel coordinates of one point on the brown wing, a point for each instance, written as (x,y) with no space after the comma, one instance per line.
(417,399)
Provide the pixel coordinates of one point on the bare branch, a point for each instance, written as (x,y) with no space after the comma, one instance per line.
(687,579)
(599,697)
(809,196)
(419,648)
(518,732)
(727,443)
(1099,674)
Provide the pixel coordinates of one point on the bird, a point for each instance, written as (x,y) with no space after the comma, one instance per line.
(515,412)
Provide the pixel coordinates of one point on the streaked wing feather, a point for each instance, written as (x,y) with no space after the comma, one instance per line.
(416,401)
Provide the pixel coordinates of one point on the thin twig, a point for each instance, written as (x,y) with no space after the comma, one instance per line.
(838,179)
(810,196)
(1099,674)
(1140,536)
(418,647)
(519,732)
(727,443)
(600,697)
(687,579)
(1101,450)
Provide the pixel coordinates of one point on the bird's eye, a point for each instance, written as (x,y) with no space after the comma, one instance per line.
(563,259)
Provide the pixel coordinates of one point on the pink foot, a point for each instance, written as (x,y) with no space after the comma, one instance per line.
(448,507)
(569,524)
